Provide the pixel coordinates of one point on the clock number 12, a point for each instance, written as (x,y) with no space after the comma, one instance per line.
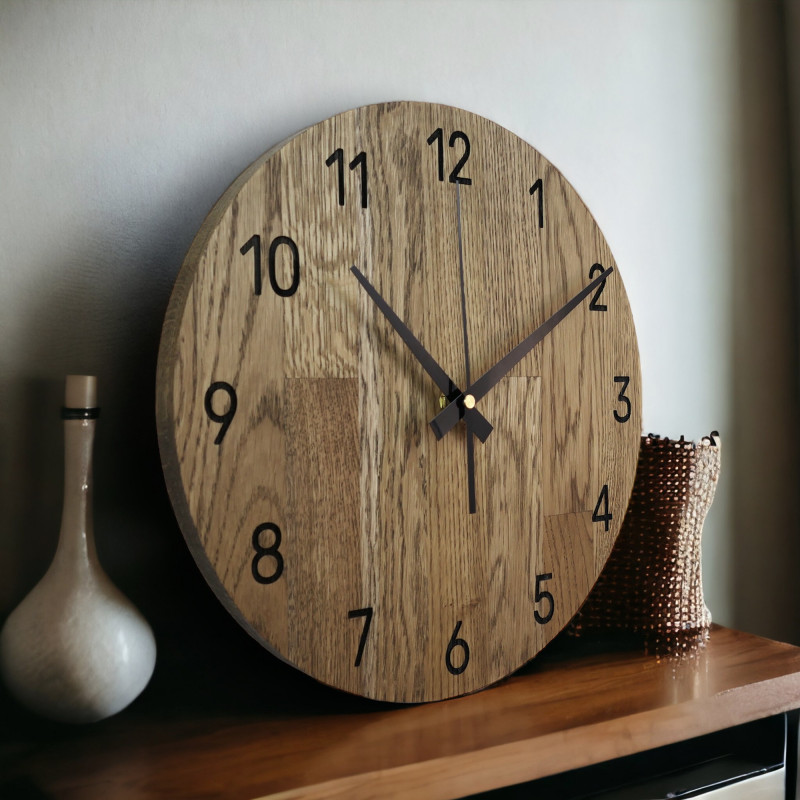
(437,138)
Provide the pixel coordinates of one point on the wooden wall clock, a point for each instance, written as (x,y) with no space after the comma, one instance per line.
(398,401)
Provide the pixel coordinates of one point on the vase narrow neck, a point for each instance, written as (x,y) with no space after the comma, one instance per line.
(76,540)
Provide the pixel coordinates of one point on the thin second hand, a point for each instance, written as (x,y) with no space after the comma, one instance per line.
(470,442)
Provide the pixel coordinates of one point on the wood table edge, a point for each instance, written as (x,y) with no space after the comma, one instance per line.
(450,777)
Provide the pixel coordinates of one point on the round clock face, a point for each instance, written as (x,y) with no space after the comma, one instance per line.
(399,401)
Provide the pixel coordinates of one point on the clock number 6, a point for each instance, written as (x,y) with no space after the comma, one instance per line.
(223,419)
(267,552)
(254,244)
(454,642)
(367,614)
(542,594)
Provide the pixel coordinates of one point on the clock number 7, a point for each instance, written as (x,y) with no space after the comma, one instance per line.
(367,614)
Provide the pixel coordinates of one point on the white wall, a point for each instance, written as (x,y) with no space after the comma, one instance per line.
(122,122)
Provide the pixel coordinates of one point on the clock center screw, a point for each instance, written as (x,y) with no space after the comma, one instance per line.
(469,401)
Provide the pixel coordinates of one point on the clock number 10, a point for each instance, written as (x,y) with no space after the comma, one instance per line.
(254,244)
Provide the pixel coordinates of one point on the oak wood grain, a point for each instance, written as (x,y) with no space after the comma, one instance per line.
(330,442)
(577,704)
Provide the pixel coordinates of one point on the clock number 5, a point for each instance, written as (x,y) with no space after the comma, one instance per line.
(437,137)
(337,157)
(543,595)
(267,552)
(367,614)
(254,244)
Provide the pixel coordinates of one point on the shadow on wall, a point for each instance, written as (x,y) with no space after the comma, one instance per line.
(766,373)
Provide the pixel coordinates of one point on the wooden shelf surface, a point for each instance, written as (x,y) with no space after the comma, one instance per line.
(579,703)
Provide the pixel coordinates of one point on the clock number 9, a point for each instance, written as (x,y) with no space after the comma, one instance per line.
(542,594)
(267,552)
(437,137)
(454,642)
(254,244)
(223,419)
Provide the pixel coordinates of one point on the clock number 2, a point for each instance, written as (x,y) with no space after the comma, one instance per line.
(367,614)
(263,552)
(437,137)
(225,418)
(540,595)
(254,244)
(594,303)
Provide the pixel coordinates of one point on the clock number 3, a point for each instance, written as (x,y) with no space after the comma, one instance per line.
(263,552)
(254,244)
(437,138)
(623,398)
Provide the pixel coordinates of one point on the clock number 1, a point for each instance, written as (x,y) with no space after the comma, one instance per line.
(367,614)
(538,189)
(254,244)
(337,157)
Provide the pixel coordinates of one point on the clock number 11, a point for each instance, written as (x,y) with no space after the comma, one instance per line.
(337,157)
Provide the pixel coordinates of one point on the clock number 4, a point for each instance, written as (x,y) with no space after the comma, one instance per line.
(337,157)
(601,512)
(437,138)
(366,613)
(272,552)
(541,595)
(254,244)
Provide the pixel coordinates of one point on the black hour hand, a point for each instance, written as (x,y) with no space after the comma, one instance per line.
(480,426)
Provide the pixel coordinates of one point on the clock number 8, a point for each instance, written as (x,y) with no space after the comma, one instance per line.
(454,642)
(226,418)
(267,552)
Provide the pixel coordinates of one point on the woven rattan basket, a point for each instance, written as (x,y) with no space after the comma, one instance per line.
(652,585)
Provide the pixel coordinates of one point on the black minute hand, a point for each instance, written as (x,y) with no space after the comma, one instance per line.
(480,425)
(446,419)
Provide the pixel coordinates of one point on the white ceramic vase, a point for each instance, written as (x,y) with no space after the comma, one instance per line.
(76,649)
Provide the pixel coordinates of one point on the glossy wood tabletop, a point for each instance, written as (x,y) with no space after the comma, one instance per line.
(578,703)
